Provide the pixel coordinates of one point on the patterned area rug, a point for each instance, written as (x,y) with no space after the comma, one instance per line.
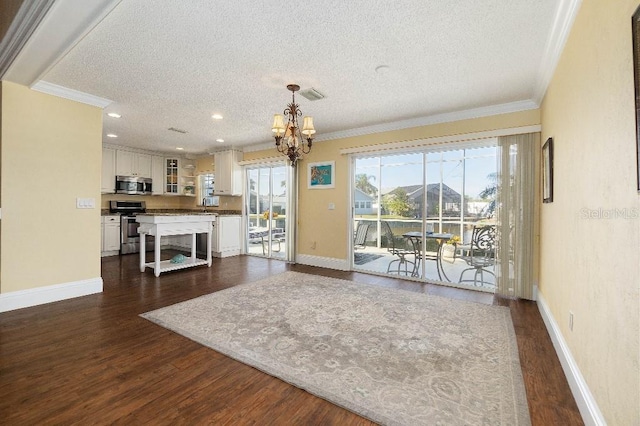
(393,356)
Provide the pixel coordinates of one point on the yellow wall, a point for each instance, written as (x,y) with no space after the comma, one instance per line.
(590,263)
(50,151)
(205,164)
(328,228)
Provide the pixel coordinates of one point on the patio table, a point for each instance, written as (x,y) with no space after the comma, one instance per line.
(415,238)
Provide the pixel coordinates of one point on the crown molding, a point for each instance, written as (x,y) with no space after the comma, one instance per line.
(27,19)
(560,30)
(417,122)
(63,25)
(74,95)
(433,119)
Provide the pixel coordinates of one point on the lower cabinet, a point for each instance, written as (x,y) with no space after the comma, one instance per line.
(226,236)
(110,235)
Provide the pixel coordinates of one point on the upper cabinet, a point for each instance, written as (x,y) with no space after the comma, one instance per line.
(171,176)
(228,173)
(157,175)
(108,182)
(133,164)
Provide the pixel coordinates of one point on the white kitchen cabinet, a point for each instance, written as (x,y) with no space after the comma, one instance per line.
(171,178)
(110,235)
(133,164)
(228,173)
(108,181)
(157,175)
(226,236)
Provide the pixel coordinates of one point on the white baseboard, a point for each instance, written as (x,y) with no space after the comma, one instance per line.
(52,293)
(323,262)
(228,253)
(587,404)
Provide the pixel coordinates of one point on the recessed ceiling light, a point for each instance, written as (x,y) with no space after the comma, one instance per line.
(111,135)
(216,117)
(179,148)
(220,140)
(114,115)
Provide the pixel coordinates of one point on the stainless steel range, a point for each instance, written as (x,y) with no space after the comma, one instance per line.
(129,236)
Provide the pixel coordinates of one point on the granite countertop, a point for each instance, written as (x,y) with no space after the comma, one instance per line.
(106,212)
(178,214)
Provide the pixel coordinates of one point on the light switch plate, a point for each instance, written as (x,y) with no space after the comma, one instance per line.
(85,203)
(332,206)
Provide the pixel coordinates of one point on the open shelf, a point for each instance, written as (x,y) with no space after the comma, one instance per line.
(166,265)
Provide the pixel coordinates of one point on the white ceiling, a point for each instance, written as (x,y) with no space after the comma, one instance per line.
(167,63)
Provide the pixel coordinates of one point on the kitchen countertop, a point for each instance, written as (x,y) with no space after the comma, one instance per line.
(106,212)
(178,214)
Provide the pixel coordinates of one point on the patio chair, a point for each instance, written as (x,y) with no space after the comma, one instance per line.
(479,253)
(277,237)
(397,246)
(360,239)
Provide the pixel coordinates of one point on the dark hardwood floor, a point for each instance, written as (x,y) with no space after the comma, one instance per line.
(93,360)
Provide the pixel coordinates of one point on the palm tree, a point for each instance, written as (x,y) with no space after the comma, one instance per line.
(363,184)
(490,192)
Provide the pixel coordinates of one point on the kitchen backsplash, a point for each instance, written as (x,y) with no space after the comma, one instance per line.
(169,202)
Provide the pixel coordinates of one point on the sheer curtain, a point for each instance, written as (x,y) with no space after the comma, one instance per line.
(515,218)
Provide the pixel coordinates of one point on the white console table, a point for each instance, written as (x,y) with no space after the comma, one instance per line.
(164,224)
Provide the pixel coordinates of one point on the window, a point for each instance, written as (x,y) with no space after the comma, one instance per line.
(206,185)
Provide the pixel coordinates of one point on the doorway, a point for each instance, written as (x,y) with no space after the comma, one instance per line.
(267,203)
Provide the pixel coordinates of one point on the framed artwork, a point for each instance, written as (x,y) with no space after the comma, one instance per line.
(635,27)
(321,175)
(547,171)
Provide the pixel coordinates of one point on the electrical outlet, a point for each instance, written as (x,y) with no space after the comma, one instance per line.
(570,320)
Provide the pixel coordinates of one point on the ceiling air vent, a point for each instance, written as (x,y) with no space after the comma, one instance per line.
(173,129)
(312,94)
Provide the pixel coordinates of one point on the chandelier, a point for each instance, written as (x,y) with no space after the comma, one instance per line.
(290,139)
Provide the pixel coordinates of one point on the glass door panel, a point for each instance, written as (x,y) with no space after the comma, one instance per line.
(278,225)
(267,207)
(424,206)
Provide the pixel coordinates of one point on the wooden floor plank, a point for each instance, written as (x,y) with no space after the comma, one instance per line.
(94,360)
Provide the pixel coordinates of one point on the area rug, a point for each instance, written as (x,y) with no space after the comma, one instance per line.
(393,356)
(362,258)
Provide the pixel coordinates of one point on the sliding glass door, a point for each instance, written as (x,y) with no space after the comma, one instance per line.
(414,215)
(266,207)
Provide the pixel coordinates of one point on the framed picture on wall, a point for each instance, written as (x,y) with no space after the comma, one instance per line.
(635,27)
(547,171)
(321,175)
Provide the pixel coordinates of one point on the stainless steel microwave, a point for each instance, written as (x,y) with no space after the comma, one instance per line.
(133,185)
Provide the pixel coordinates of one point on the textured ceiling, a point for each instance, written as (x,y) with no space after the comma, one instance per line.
(167,63)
